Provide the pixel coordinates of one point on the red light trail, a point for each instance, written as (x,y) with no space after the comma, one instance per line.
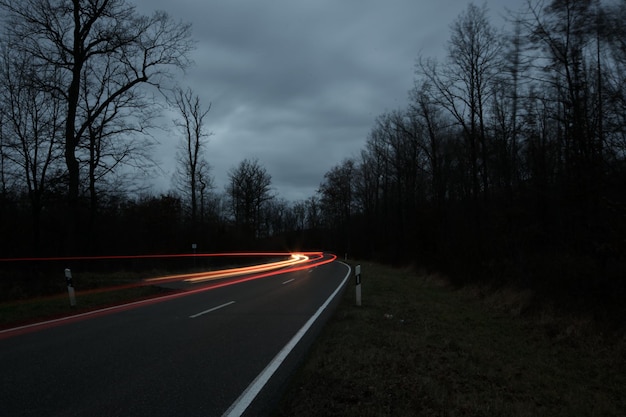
(295,259)
(158,256)
(215,279)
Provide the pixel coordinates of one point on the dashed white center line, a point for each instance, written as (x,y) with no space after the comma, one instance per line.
(288,281)
(211,309)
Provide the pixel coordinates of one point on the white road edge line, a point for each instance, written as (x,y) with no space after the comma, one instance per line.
(288,281)
(245,399)
(211,309)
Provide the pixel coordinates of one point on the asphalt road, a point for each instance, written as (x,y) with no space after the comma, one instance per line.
(196,355)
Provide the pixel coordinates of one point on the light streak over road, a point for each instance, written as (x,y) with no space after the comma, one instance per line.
(222,278)
(223,346)
(233,272)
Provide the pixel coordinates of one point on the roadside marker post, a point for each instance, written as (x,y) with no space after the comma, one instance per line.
(70,287)
(357,274)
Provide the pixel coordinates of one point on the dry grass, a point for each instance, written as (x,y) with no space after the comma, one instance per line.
(418,347)
(15,313)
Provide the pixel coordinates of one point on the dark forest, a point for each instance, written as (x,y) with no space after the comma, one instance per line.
(507,168)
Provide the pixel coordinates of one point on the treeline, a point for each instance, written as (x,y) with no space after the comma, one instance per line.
(508,165)
(246,215)
(82,89)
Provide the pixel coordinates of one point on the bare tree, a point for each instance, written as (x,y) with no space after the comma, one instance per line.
(614,85)
(337,195)
(6,166)
(313,214)
(31,132)
(569,36)
(298,213)
(434,126)
(74,37)
(116,141)
(248,190)
(506,108)
(563,31)
(193,171)
(275,217)
(466,83)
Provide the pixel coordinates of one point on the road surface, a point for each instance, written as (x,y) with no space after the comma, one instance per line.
(209,353)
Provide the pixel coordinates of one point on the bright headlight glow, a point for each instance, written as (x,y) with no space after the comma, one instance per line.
(294,260)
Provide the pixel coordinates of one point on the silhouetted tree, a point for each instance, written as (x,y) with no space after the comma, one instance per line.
(81,39)
(337,201)
(465,85)
(31,132)
(248,190)
(117,143)
(192,176)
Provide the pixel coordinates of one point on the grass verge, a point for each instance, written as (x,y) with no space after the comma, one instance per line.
(418,347)
(15,313)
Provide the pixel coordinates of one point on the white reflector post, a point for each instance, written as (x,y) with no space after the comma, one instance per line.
(357,274)
(70,287)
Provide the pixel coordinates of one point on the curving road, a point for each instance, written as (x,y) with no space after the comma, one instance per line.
(225,350)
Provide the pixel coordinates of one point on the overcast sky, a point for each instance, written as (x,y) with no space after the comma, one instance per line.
(298,84)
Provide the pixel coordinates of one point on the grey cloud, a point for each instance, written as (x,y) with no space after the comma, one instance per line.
(298,84)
